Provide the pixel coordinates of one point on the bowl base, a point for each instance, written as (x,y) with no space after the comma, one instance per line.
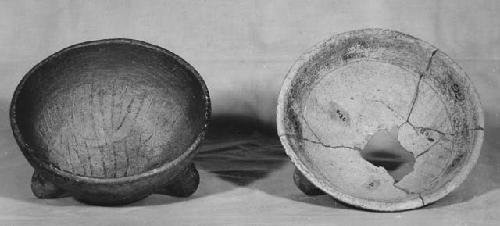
(182,185)
(304,185)
(45,189)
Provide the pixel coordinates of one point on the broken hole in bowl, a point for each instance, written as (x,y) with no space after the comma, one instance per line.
(383,149)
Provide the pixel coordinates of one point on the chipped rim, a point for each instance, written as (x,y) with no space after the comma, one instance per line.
(421,199)
(165,167)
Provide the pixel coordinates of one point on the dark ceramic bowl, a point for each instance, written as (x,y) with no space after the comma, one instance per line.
(111,121)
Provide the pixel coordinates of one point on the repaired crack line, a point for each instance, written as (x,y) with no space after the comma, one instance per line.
(321,143)
(310,129)
(415,97)
(389,107)
(428,149)
(421,199)
(410,193)
(402,189)
(417,90)
(427,128)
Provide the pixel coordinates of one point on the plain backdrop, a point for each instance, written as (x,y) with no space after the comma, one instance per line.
(243,49)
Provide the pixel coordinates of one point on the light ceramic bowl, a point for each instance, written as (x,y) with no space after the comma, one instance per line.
(380,120)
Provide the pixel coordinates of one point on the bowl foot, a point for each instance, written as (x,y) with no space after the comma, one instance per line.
(182,185)
(45,189)
(305,185)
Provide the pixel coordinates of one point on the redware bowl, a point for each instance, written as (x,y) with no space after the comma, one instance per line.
(111,121)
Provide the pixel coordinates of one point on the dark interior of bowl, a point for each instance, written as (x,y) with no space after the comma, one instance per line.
(110,109)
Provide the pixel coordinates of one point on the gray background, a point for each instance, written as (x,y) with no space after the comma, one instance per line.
(243,50)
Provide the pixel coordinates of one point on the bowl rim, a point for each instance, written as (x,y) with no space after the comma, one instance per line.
(36,162)
(421,199)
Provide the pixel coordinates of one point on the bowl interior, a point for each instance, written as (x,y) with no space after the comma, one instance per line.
(376,116)
(110,109)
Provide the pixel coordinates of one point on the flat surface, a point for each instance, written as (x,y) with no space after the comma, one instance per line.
(246,179)
(243,49)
